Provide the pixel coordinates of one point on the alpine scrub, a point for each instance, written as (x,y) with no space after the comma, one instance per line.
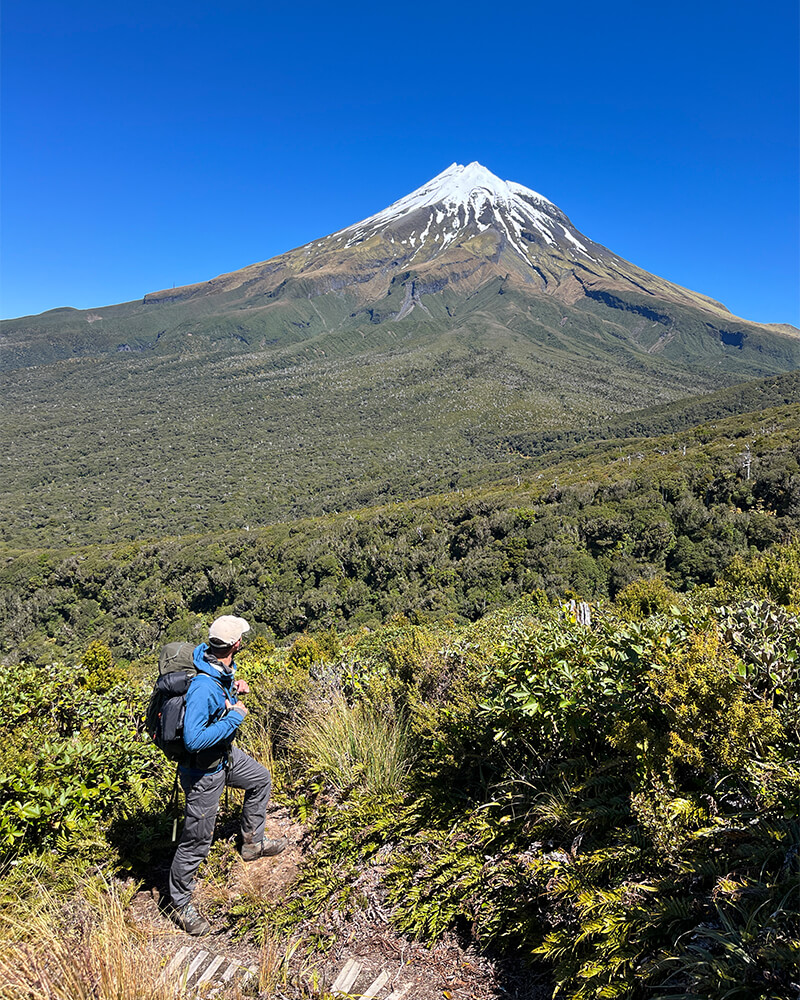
(616,801)
(73,757)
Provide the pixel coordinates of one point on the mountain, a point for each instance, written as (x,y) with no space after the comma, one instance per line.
(464,232)
(406,354)
(464,227)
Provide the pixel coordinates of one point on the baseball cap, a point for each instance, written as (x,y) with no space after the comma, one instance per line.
(227,630)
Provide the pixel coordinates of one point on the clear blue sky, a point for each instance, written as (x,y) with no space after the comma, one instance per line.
(146,145)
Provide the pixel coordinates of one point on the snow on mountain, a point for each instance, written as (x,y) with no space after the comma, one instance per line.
(466,200)
(463,228)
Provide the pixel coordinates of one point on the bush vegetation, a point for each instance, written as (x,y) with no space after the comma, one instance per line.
(616,802)
(678,514)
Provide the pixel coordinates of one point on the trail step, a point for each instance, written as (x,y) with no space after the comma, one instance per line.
(228,973)
(347,977)
(373,990)
(203,970)
(189,966)
(400,993)
(177,961)
(208,975)
(195,964)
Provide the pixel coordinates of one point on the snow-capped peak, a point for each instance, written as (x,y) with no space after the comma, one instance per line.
(470,199)
(470,186)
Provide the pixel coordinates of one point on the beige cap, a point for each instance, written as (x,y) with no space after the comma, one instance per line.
(227,630)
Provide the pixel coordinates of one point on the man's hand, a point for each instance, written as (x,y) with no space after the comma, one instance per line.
(239,706)
(241,686)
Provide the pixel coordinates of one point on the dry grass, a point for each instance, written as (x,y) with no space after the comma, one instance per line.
(91,950)
(86,950)
(256,740)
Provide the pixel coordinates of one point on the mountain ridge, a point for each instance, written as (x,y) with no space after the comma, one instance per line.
(451,237)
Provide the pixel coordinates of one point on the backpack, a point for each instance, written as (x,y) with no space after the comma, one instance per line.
(165,712)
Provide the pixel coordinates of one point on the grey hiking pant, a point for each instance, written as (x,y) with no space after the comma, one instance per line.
(203,793)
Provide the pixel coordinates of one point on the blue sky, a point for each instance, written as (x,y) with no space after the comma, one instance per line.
(148,145)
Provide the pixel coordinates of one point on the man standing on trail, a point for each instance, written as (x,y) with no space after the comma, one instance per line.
(213,714)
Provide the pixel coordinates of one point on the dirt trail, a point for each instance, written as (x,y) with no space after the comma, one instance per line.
(368,958)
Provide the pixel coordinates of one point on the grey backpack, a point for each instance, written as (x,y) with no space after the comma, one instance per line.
(164,719)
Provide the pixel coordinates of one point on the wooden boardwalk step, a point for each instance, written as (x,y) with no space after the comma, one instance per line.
(212,967)
(219,970)
(400,993)
(347,977)
(373,990)
(195,964)
(177,961)
(207,967)
(228,973)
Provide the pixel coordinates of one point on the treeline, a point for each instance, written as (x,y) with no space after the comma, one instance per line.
(676,509)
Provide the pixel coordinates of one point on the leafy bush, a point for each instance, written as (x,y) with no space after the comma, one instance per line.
(643,598)
(630,808)
(305,652)
(774,574)
(766,637)
(72,759)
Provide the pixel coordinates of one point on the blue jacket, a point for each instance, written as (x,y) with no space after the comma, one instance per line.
(207,723)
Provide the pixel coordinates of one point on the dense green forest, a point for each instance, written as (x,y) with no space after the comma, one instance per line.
(679,506)
(613,801)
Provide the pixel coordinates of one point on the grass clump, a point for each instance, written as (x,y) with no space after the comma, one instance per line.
(86,951)
(353,747)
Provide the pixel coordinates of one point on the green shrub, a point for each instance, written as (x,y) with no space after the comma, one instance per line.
(643,598)
(305,652)
(71,760)
(100,674)
(279,693)
(774,574)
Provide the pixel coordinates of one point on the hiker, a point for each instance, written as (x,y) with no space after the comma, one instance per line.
(213,715)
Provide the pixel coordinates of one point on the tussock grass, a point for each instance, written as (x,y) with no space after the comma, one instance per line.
(275,972)
(256,739)
(89,951)
(350,747)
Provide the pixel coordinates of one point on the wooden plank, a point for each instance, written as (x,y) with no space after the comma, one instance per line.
(377,986)
(212,968)
(348,976)
(399,994)
(198,960)
(177,961)
(249,974)
(228,973)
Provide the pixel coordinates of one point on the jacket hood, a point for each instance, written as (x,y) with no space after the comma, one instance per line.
(204,667)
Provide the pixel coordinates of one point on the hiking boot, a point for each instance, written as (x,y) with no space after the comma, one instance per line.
(263,849)
(189,919)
